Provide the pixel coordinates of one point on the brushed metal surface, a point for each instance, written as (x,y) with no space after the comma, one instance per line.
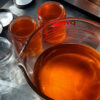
(86,5)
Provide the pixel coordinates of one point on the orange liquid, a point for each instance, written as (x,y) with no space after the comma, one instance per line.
(68,72)
(20,32)
(47,12)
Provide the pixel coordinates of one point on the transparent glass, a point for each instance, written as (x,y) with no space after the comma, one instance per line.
(8,65)
(20,29)
(49,11)
(5,55)
(81,32)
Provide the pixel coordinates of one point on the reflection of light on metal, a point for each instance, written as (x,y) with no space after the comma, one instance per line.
(6,18)
(16,11)
(23,2)
(1,28)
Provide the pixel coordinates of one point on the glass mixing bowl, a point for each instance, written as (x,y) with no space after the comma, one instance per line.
(65,31)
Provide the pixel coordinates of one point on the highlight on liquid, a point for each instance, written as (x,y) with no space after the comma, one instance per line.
(68,72)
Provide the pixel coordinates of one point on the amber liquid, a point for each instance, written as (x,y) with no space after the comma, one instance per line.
(47,12)
(20,32)
(68,72)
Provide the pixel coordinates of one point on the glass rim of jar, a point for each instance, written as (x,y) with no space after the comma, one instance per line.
(9,52)
(20,18)
(53,2)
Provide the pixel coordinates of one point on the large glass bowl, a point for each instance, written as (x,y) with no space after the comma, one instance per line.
(76,30)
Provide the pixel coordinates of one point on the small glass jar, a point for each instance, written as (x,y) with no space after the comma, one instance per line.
(19,31)
(49,11)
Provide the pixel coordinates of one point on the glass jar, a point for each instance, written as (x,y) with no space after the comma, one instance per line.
(10,74)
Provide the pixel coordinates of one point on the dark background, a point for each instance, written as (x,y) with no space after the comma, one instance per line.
(2,2)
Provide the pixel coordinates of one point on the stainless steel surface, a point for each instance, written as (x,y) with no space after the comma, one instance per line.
(22,2)
(1,28)
(32,10)
(2,2)
(5,17)
(86,5)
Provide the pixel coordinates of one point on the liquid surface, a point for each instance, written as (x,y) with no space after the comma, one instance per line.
(68,72)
